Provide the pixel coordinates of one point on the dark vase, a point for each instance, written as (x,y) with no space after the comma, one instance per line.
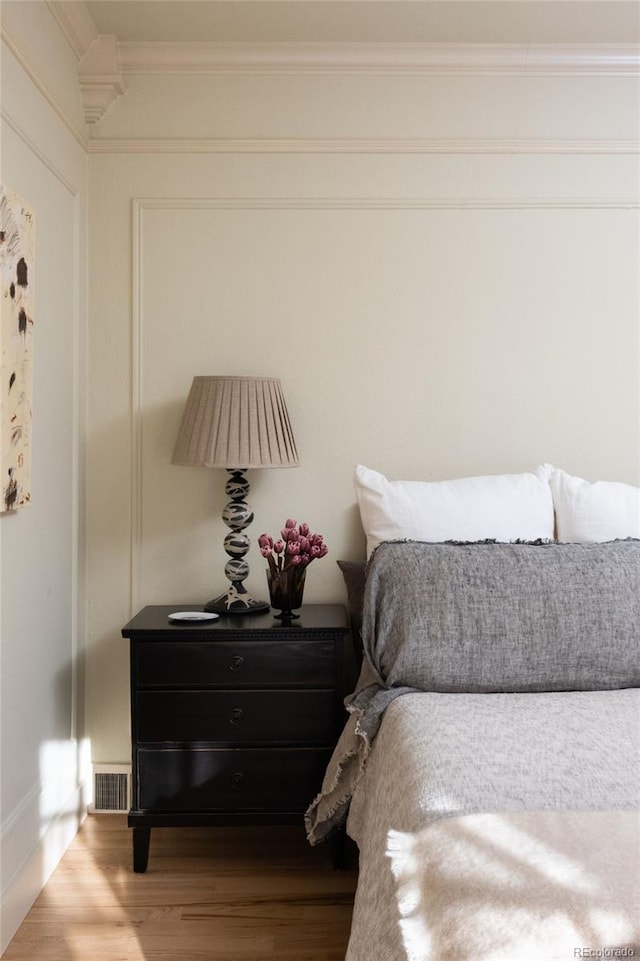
(285,591)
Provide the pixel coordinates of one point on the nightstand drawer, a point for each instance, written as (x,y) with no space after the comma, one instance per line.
(237,717)
(235,664)
(245,779)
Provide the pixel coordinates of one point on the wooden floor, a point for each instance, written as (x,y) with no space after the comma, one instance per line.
(233,894)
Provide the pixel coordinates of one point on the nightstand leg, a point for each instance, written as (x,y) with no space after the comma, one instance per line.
(141,838)
(338,849)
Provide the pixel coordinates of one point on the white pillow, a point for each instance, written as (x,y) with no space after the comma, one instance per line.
(505,507)
(599,511)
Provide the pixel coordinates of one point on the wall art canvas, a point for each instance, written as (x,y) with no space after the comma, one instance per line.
(17,247)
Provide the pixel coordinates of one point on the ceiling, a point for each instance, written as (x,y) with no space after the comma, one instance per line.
(370,21)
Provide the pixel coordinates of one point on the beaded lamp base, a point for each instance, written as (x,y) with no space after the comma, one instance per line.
(237,515)
(231,603)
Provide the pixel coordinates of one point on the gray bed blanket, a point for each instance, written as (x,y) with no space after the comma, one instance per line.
(484,618)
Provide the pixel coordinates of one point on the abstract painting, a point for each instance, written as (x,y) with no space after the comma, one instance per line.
(17,246)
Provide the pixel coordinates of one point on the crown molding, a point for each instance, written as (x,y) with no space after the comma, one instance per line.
(140,204)
(75,22)
(100,78)
(358,146)
(401,59)
(98,57)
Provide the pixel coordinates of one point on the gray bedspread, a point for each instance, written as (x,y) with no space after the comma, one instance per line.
(439,756)
(484,618)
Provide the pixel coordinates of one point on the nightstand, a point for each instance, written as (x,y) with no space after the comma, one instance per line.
(232,721)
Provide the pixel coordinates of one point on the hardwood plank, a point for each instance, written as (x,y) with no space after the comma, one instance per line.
(233,894)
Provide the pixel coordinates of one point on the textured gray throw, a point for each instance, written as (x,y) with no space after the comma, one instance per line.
(481,618)
(504,617)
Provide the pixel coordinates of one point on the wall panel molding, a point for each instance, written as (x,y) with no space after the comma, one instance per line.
(137,312)
(26,876)
(78,390)
(141,206)
(40,154)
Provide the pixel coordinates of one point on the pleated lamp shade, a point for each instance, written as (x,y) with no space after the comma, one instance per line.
(235,422)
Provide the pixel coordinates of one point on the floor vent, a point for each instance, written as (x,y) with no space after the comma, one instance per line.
(111,788)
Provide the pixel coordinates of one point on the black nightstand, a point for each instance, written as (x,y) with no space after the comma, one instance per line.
(233,721)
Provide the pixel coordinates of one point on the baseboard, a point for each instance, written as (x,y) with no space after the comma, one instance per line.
(21,890)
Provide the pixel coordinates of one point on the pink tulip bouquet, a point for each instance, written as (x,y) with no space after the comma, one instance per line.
(296,549)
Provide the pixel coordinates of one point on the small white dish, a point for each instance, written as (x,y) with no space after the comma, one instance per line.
(193,616)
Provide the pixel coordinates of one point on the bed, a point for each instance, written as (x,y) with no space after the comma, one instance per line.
(489,771)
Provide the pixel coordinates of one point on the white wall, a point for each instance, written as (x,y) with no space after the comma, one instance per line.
(430,314)
(41,547)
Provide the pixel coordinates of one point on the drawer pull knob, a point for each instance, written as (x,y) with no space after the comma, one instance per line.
(236,779)
(236,715)
(236,662)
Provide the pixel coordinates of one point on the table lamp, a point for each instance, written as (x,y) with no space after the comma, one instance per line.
(238,423)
